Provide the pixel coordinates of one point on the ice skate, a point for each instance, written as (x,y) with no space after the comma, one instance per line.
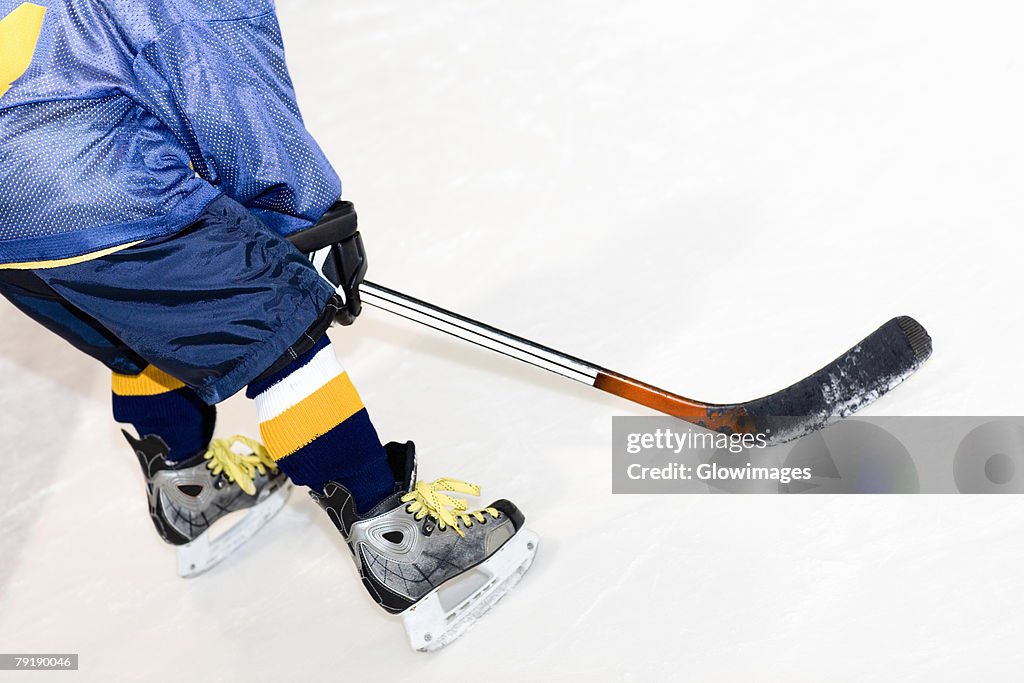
(421,554)
(188,497)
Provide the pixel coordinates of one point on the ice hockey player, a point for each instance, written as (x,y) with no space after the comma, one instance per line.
(153,168)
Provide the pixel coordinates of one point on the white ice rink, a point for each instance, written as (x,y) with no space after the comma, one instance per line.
(717,197)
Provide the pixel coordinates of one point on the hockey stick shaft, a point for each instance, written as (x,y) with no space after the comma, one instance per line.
(339,226)
(536,354)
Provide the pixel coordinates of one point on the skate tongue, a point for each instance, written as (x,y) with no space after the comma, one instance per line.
(402,460)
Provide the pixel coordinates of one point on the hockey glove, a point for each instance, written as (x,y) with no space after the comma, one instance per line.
(335,247)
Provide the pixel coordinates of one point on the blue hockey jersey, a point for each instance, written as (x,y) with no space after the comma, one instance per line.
(121,120)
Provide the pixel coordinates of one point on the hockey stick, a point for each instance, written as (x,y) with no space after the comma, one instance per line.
(882,360)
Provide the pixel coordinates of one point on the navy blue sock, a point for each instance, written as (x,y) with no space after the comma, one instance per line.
(317,430)
(153,402)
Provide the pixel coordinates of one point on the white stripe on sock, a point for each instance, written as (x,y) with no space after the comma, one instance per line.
(320,370)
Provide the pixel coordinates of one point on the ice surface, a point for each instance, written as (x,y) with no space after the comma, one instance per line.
(715,197)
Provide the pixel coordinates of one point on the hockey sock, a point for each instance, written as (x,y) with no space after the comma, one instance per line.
(153,402)
(317,430)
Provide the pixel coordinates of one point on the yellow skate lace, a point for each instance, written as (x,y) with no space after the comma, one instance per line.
(237,467)
(430,499)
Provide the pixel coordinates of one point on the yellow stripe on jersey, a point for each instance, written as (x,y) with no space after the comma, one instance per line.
(313,416)
(149,382)
(57,263)
(19,33)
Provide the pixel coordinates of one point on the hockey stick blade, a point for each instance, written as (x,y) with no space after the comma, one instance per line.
(870,369)
(857,378)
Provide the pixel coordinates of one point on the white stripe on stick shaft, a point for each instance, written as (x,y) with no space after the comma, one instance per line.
(478,333)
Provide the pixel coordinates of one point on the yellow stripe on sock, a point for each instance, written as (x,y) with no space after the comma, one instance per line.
(313,416)
(149,382)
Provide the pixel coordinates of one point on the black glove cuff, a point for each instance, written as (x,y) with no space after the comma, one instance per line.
(337,225)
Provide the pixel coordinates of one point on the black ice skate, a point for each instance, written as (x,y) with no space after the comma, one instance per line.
(186,498)
(421,554)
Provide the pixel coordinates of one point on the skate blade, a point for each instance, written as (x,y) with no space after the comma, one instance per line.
(447,612)
(204,552)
